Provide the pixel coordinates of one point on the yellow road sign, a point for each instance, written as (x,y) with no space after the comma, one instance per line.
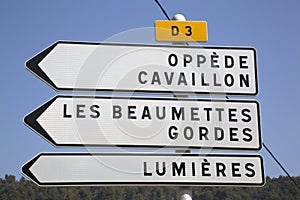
(192,31)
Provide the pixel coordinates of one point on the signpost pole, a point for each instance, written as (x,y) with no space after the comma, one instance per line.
(61,115)
(183,192)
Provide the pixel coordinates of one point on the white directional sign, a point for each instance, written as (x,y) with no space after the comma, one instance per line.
(148,122)
(55,169)
(69,66)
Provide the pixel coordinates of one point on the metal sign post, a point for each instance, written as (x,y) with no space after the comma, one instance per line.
(140,122)
(183,192)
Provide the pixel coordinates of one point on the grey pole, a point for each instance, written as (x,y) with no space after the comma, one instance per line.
(183,192)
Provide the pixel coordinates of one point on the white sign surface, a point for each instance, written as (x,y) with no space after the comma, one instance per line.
(137,169)
(147,68)
(148,122)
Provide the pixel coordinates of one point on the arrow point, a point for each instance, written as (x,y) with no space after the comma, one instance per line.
(31,121)
(33,65)
(26,170)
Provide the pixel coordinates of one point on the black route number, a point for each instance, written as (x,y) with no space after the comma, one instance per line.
(175,30)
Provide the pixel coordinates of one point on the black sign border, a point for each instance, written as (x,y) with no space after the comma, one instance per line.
(33,66)
(26,171)
(30,121)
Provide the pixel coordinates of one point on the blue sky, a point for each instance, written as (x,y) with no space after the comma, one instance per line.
(272,27)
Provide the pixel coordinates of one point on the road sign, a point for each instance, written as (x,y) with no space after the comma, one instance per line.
(75,169)
(189,31)
(68,66)
(148,122)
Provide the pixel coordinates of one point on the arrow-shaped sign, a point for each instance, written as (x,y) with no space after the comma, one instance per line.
(69,66)
(75,169)
(148,122)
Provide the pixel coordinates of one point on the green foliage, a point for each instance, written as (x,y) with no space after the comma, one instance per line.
(276,188)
